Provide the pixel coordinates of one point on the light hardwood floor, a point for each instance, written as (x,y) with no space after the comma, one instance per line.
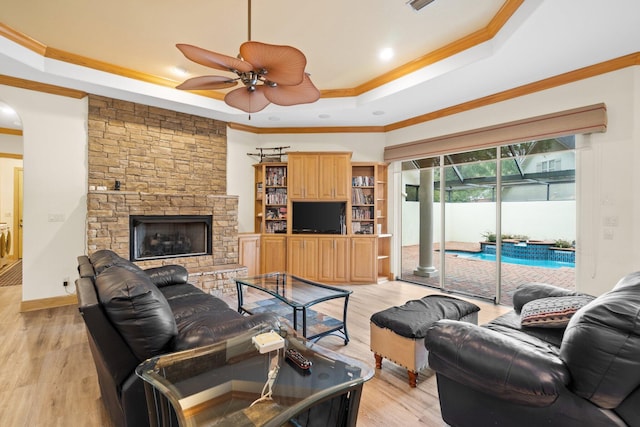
(49,379)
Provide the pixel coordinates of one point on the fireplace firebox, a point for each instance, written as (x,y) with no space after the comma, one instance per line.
(169,236)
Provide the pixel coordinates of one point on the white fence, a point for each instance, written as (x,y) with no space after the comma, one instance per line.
(467,222)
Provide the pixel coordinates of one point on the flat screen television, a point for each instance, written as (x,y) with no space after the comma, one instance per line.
(318,217)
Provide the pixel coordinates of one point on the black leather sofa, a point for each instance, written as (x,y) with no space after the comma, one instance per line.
(133,314)
(506,374)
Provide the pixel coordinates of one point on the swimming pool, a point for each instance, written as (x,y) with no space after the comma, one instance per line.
(510,260)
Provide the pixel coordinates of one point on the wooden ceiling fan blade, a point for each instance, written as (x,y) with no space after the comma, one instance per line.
(207,83)
(304,93)
(284,64)
(246,100)
(212,59)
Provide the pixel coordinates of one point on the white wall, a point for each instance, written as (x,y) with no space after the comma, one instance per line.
(608,180)
(55,182)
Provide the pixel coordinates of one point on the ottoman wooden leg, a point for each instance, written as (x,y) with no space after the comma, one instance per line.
(378,360)
(413,378)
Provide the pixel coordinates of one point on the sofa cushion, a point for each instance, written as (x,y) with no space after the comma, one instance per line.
(168,275)
(105,258)
(552,312)
(138,309)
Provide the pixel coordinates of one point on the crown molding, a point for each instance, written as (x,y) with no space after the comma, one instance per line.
(7,131)
(41,87)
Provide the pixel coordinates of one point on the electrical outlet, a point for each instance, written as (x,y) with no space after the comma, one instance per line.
(65,282)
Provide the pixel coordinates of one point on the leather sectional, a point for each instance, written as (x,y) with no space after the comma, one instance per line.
(133,314)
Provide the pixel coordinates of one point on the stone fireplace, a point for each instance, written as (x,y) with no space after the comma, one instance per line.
(167,164)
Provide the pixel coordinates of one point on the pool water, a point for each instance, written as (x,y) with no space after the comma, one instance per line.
(509,260)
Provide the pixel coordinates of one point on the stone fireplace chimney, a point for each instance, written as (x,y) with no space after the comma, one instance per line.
(166,163)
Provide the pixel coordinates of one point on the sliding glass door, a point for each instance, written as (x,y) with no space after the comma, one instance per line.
(482,222)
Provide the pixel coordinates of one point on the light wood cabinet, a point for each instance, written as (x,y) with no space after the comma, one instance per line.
(364,259)
(249,252)
(302,259)
(319,176)
(333,259)
(273,253)
(360,256)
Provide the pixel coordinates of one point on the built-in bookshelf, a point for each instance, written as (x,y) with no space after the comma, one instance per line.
(369,209)
(363,199)
(271,198)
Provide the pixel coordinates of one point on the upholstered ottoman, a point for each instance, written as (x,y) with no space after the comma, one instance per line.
(397,333)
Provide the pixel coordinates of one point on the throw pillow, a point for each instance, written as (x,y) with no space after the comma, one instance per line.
(552,312)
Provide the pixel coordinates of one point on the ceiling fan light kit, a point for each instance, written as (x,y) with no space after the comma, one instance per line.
(269,74)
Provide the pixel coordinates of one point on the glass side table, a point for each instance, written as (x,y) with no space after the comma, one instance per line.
(231,384)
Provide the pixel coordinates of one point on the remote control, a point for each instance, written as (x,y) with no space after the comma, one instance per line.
(298,359)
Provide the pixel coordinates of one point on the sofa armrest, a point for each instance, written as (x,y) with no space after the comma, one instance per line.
(495,364)
(168,275)
(532,291)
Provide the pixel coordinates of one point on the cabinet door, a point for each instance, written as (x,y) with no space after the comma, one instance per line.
(249,252)
(303,176)
(364,259)
(273,253)
(303,257)
(334,176)
(342,176)
(341,257)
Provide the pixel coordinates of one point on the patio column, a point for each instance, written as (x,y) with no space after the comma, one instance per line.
(425,197)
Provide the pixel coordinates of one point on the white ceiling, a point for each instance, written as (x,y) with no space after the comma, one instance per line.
(340,38)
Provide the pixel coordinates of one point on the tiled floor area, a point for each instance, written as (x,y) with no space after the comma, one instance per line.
(476,277)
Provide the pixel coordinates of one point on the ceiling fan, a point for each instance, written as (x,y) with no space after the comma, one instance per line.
(269,74)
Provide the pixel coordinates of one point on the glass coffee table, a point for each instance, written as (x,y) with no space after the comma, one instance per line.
(232,384)
(290,297)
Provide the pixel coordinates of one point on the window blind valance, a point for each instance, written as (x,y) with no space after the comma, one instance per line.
(589,119)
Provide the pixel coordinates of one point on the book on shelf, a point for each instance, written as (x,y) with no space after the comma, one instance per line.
(276,176)
(361,196)
(362,228)
(276,227)
(277,212)
(360,213)
(362,181)
(276,196)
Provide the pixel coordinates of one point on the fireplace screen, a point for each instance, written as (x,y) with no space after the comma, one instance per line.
(169,236)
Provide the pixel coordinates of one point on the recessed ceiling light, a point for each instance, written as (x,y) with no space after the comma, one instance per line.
(179,71)
(324,116)
(378,113)
(386,54)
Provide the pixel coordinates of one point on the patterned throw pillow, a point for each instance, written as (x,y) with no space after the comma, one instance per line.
(553,312)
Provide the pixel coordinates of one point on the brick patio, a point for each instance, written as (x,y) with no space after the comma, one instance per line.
(477,277)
